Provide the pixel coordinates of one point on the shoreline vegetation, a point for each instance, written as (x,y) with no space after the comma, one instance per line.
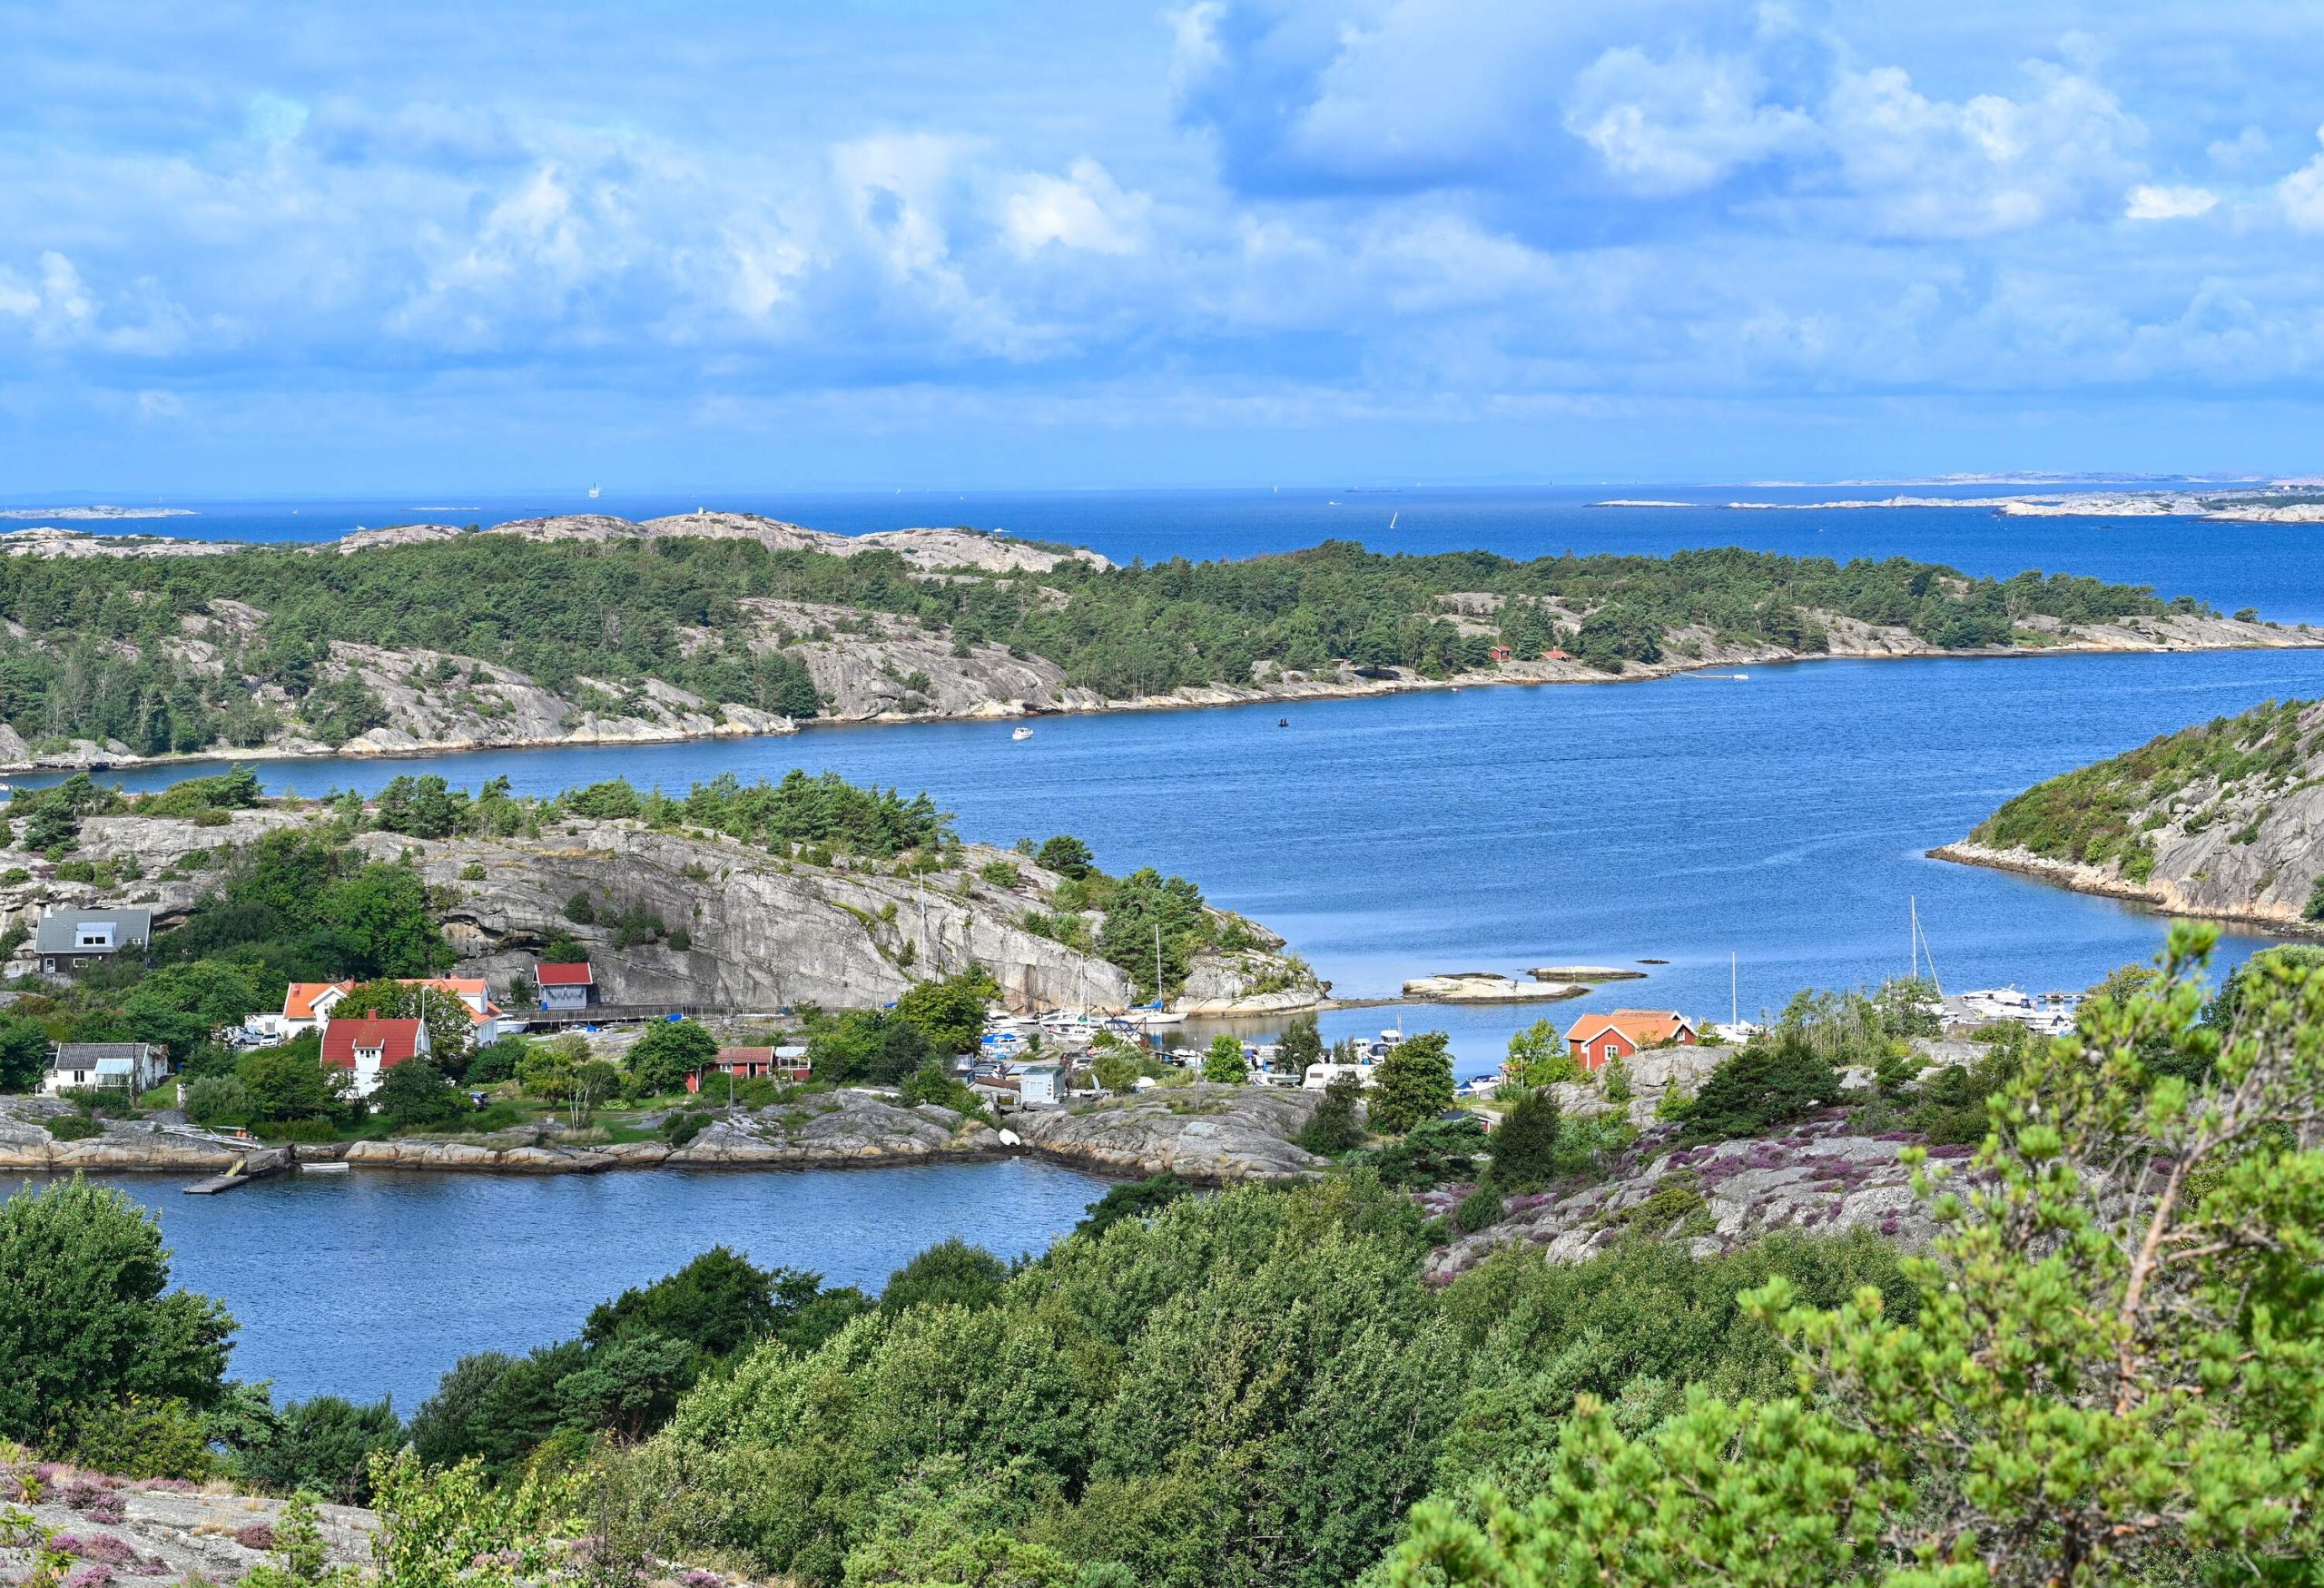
(1741,1330)
(428,639)
(2214,822)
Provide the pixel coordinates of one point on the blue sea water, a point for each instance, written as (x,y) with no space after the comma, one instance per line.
(1778,826)
(375,1283)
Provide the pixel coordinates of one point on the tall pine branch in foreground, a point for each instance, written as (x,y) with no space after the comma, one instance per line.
(2116,1372)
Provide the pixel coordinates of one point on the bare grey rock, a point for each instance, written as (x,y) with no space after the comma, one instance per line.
(173,1533)
(1208,1133)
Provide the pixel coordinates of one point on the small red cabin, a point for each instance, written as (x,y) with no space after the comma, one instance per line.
(1597,1038)
(750,1063)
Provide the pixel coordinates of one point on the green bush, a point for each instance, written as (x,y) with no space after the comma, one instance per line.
(1333,1128)
(1775,1079)
(73,1127)
(1479,1209)
(1524,1145)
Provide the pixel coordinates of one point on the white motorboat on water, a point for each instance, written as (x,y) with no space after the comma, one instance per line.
(1020,731)
(1067,1026)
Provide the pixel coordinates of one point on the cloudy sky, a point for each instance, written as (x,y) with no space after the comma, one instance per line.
(283,249)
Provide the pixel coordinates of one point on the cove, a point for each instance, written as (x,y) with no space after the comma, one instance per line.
(375,1283)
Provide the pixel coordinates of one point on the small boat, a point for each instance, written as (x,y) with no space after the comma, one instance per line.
(594,490)
(1282,721)
(1020,733)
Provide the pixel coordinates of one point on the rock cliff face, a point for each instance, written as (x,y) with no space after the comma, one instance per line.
(168,1533)
(2225,821)
(1209,1134)
(761,931)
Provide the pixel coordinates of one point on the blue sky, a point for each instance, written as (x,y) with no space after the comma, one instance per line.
(336,248)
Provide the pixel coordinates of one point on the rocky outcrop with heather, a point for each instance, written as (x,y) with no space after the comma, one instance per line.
(2225,819)
(1818,1176)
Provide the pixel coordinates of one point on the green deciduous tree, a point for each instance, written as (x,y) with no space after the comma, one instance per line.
(951,1272)
(1223,1063)
(1301,1044)
(414,1096)
(660,1060)
(1413,1083)
(179,1006)
(289,1081)
(24,1052)
(949,1014)
(1538,1056)
(86,1316)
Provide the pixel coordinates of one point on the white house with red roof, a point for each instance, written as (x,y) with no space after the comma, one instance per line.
(368,1049)
(1596,1039)
(566,986)
(306,1006)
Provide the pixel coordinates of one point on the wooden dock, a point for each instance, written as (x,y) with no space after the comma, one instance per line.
(257,1164)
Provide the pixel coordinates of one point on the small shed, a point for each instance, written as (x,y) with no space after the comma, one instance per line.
(566,986)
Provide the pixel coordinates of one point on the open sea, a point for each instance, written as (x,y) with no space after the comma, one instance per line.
(1748,839)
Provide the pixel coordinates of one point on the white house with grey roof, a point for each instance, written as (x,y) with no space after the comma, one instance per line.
(137,1067)
(70,941)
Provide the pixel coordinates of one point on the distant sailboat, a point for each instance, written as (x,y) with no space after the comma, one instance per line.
(594,490)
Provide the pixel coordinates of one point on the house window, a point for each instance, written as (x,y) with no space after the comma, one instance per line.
(1609,1054)
(93,937)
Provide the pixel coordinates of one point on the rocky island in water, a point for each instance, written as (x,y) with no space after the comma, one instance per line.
(590,629)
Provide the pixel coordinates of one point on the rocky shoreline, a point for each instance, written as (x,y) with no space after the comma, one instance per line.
(1213,1135)
(2162,894)
(676,717)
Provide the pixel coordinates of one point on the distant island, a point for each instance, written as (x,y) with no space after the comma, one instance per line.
(2223,820)
(2282,502)
(99,511)
(593,629)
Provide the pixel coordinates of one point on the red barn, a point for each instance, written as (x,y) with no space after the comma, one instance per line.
(1597,1038)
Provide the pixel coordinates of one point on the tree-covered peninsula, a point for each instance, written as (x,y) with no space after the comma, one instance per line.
(594,629)
(2219,820)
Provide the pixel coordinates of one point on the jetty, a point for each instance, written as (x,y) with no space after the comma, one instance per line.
(1586,973)
(255,1165)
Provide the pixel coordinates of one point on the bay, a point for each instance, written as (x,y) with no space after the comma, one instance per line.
(374,1283)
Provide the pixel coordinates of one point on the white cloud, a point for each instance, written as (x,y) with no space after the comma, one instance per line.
(2245,149)
(270,118)
(154,404)
(1679,126)
(2148,202)
(2302,194)
(1940,169)
(1083,210)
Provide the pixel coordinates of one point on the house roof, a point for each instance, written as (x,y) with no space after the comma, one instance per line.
(59,927)
(460,989)
(89,1055)
(298,999)
(1643,1027)
(745,1055)
(396,1041)
(565,975)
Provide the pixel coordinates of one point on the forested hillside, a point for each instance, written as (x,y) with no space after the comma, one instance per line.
(440,638)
